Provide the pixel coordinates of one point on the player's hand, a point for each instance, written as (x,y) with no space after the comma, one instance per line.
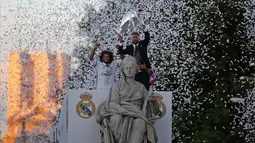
(97,46)
(120,37)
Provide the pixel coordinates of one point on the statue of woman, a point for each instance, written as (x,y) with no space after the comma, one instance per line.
(127,115)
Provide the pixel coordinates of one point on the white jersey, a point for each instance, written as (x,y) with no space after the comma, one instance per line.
(105,74)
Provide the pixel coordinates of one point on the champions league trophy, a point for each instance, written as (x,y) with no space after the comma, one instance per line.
(130,21)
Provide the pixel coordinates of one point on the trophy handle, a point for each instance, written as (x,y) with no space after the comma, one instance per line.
(118,33)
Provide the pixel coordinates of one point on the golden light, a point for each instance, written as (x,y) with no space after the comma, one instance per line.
(31,85)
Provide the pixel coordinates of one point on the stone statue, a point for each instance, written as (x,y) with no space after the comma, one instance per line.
(129,113)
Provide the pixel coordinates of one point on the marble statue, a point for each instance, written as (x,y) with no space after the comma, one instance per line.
(129,113)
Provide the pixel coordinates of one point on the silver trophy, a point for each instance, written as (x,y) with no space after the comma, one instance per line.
(130,21)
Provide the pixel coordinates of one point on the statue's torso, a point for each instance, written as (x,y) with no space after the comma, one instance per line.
(136,98)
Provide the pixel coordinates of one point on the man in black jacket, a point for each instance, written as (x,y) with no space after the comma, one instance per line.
(138,49)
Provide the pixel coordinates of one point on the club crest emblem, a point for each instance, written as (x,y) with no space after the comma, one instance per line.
(162,106)
(85,108)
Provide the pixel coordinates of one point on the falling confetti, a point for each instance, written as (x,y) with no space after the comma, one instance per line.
(199,49)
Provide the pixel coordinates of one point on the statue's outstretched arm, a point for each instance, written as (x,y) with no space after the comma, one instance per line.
(145,99)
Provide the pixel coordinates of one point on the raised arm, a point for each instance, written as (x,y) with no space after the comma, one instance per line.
(91,56)
(146,39)
(146,42)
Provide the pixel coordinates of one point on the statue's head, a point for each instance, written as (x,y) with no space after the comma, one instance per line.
(129,66)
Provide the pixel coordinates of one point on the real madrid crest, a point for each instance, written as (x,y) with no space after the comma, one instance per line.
(162,106)
(85,108)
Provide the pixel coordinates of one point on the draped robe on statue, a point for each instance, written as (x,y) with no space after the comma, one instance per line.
(136,125)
